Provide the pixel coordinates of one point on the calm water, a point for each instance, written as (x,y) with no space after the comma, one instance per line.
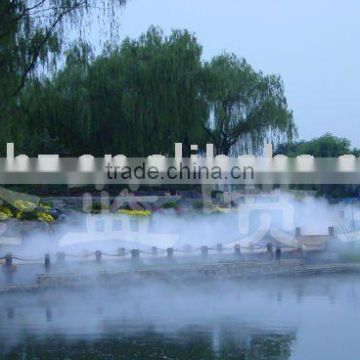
(313,318)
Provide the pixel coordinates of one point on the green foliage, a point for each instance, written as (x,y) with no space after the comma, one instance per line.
(95,207)
(170,205)
(138,99)
(198,204)
(31,39)
(324,146)
(141,97)
(247,107)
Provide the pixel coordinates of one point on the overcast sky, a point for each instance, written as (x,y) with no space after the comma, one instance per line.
(313,45)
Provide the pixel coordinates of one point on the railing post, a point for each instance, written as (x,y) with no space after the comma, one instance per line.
(47,264)
(237,250)
(204,251)
(135,254)
(300,251)
(269,248)
(154,251)
(278,251)
(8,261)
(98,256)
(170,252)
(9,268)
(328,242)
(219,248)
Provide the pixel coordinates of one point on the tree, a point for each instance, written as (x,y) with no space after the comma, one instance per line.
(247,107)
(324,146)
(143,95)
(138,98)
(161,91)
(31,32)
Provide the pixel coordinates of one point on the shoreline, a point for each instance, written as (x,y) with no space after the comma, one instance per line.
(231,270)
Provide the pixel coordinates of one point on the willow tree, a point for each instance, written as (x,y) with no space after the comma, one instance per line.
(138,98)
(32,34)
(161,91)
(247,107)
(53,112)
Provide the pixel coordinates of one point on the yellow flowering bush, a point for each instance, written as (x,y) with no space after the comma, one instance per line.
(43,216)
(25,210)
(24,205)
(5,213)
(135,212)
(45,206)
(221,210)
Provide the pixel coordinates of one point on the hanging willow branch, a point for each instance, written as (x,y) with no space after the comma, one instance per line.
(31,32)
(246,106)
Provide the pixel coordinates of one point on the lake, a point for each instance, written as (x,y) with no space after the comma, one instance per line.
(303,318)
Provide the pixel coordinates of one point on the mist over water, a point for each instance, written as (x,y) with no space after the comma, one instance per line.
(300,318)
(310,318)
(83,233)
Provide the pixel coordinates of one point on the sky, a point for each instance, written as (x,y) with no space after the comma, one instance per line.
(313,45)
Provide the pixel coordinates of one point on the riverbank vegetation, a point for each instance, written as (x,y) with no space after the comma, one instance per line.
(28,211)
(137,97)
(324,146)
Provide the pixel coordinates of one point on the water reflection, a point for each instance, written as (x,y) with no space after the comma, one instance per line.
(313,318)
(189,343)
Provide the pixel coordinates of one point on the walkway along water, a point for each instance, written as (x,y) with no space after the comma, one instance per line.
(131,265)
